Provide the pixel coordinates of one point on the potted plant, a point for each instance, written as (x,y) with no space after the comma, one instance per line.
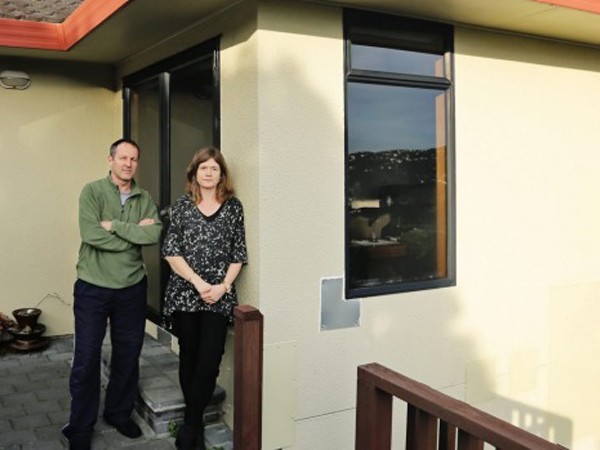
(27,319)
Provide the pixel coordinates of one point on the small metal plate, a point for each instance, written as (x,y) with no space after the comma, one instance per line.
(336,311)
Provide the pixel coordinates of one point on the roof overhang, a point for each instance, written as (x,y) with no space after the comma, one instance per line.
(110,31)
(58,36)
(582,5)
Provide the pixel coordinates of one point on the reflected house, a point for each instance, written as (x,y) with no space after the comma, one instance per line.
(392,216)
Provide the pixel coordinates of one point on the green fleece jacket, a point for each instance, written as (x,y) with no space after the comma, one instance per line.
(113,259)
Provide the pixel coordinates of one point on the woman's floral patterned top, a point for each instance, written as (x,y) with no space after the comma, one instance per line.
(209,244)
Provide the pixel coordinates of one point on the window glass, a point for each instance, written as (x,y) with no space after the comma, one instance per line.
(192,117)
(399,223)
(365,57)
(395,138)
(144,110)
(382,117)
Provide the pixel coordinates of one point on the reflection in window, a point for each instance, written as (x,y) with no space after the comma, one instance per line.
(145,111)
(396,166)
(192,117)
(397,61)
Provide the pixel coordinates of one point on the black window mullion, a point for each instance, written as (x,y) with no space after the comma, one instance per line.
(165,138)
(216,98)
(127,112)
(423,81)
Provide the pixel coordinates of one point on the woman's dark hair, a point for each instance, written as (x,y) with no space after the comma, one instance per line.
(224,188)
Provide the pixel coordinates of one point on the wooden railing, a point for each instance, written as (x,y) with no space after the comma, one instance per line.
(434,420)
(248,376)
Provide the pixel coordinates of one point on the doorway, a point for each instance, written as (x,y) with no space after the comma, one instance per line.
(171,109)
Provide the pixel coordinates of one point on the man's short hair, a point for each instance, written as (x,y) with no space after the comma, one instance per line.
(114,145)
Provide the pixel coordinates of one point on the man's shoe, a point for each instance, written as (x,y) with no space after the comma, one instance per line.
(76,441)
(126,427)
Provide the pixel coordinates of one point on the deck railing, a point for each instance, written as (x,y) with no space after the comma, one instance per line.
(434,420)
(248,377)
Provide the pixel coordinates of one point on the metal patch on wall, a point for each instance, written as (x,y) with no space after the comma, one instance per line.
(336,311)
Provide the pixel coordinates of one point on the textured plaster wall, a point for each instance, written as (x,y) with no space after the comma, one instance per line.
(309,374)
(239,141)
(54,138)
(527,152)
(300,96)
(519,324)
(526,144)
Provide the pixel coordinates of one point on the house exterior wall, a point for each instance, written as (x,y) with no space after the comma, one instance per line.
(301,145)
(503,339)
(516,336)
(527,164)
(54,138)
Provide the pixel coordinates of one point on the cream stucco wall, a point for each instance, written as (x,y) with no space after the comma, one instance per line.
(527,152)
(54,138)
(308,374)
(526,164)
(527,158)
(516,336)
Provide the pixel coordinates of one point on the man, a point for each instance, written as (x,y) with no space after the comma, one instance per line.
(116,218)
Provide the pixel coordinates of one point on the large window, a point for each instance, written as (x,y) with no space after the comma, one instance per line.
(399,155)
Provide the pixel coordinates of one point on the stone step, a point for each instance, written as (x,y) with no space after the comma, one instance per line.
(160,401)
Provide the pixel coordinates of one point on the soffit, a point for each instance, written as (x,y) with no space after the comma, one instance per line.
(132,27)
(575,21)
(115,30)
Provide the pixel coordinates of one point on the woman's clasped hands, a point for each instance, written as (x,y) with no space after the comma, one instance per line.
(209,293)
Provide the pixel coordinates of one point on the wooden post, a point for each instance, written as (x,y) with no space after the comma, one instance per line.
(447,436)
(248,374)
(467,441)
(373,417)
(421,430)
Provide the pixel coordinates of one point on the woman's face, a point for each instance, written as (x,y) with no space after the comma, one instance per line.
(208,174)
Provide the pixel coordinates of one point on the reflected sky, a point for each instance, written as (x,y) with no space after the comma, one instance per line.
(393,60)
(390,117)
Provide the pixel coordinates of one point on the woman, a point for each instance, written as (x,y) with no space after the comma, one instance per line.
(206,248)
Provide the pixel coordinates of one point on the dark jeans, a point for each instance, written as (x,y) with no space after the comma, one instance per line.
(126,310)
(202,338)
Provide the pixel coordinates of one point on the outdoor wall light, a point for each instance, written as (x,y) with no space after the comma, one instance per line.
(12,79)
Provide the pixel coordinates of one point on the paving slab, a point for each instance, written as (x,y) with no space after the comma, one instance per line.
(35,400)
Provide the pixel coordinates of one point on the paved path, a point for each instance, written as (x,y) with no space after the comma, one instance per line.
(34,404)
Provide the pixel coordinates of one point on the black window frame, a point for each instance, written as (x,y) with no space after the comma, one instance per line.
(383,30)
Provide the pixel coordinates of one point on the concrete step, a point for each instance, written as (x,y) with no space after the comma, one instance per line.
(160,401)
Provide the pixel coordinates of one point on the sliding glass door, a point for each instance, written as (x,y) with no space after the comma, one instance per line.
(171,109)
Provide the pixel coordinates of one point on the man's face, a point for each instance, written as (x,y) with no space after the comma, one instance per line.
(124,164)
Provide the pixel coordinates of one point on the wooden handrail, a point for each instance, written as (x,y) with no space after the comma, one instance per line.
(248,376)
(459,423)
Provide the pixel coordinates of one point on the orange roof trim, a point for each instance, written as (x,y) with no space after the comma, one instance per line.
(58,36)
(592,6)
